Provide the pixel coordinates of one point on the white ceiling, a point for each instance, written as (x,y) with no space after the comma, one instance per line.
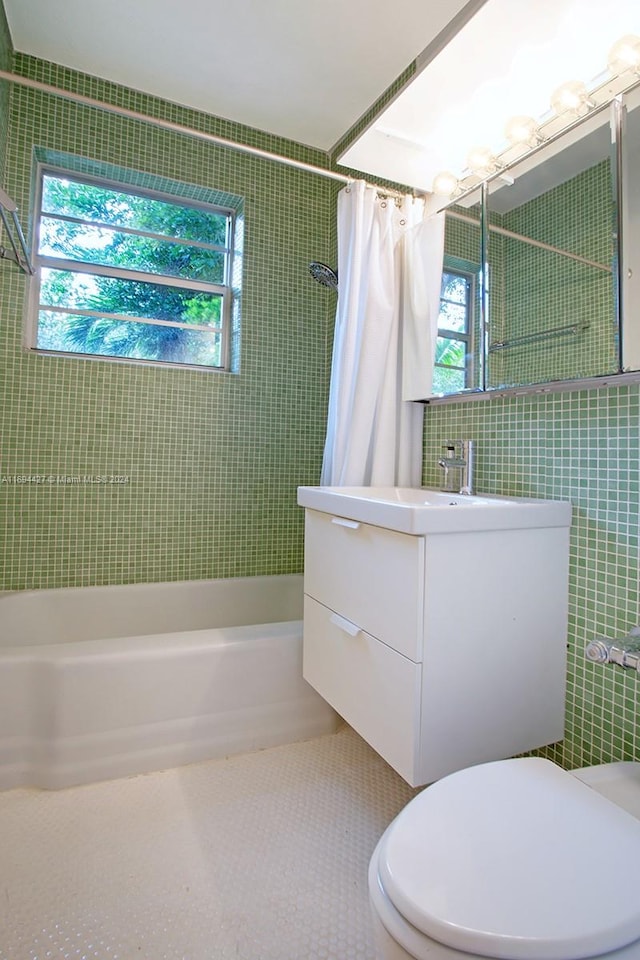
(302,70)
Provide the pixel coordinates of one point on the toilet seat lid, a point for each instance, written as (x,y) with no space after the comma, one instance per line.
(515,859)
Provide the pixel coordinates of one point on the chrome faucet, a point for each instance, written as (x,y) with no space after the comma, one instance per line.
(458,455)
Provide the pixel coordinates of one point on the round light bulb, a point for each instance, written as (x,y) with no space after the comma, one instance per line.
(625,55)
(481,160)
(522,130)
(571,97)
(445,183)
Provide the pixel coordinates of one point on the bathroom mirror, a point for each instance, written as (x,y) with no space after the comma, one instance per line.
(552,274)
(554,293)
(630,232)
(459,347)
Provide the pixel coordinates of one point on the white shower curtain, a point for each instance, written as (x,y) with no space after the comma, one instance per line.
(389,270)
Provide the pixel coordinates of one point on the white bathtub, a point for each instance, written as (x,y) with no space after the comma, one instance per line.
(102,682)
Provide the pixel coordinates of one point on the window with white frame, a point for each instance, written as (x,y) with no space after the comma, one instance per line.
(454,346)
(130,274)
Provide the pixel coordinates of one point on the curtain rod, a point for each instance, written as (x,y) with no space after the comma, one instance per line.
(179,128)
(83,100)
(494,228)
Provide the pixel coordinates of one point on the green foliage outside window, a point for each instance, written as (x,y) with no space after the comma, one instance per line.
(131,275)
(453,354)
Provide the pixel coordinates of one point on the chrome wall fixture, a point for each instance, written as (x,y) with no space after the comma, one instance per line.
(624,651)
(19,253)
(570,330)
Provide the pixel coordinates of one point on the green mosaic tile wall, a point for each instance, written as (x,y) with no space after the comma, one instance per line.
(213,460)
(6,60)
(462,240)
(581,447)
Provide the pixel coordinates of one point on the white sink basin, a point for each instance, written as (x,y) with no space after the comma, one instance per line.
(417,510)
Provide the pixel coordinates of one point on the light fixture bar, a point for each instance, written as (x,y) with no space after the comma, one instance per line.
(544,142)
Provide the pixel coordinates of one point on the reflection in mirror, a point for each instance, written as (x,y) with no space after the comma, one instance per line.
(551,262)
(630,273)
(459,355)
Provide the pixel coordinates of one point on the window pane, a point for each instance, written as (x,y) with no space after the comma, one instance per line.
(152,301)
(448,381)
(451,353)
(89,244)
(154,251)
(121,338)
(105,205)
(455,287)
(453,317)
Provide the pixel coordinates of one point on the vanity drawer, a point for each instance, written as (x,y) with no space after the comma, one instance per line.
(375,689)
(372,576)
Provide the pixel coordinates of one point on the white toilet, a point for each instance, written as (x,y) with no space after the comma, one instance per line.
(516,859)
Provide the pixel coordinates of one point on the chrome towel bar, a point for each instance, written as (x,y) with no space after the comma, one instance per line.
(19,253)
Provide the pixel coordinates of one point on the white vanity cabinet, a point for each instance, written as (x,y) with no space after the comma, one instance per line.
(442,649)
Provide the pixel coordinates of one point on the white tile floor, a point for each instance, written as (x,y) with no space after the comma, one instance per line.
(258,857)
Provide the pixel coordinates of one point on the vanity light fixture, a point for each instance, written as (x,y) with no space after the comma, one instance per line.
(573,98)
(445,184)
(523,131)
(625,55)
(482,161)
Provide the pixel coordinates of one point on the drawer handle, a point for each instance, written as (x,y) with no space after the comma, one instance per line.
(343,522)
(345,625)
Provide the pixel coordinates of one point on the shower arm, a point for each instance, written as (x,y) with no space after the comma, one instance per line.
(8,206)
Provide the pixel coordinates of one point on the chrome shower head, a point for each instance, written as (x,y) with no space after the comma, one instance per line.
(324,274)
